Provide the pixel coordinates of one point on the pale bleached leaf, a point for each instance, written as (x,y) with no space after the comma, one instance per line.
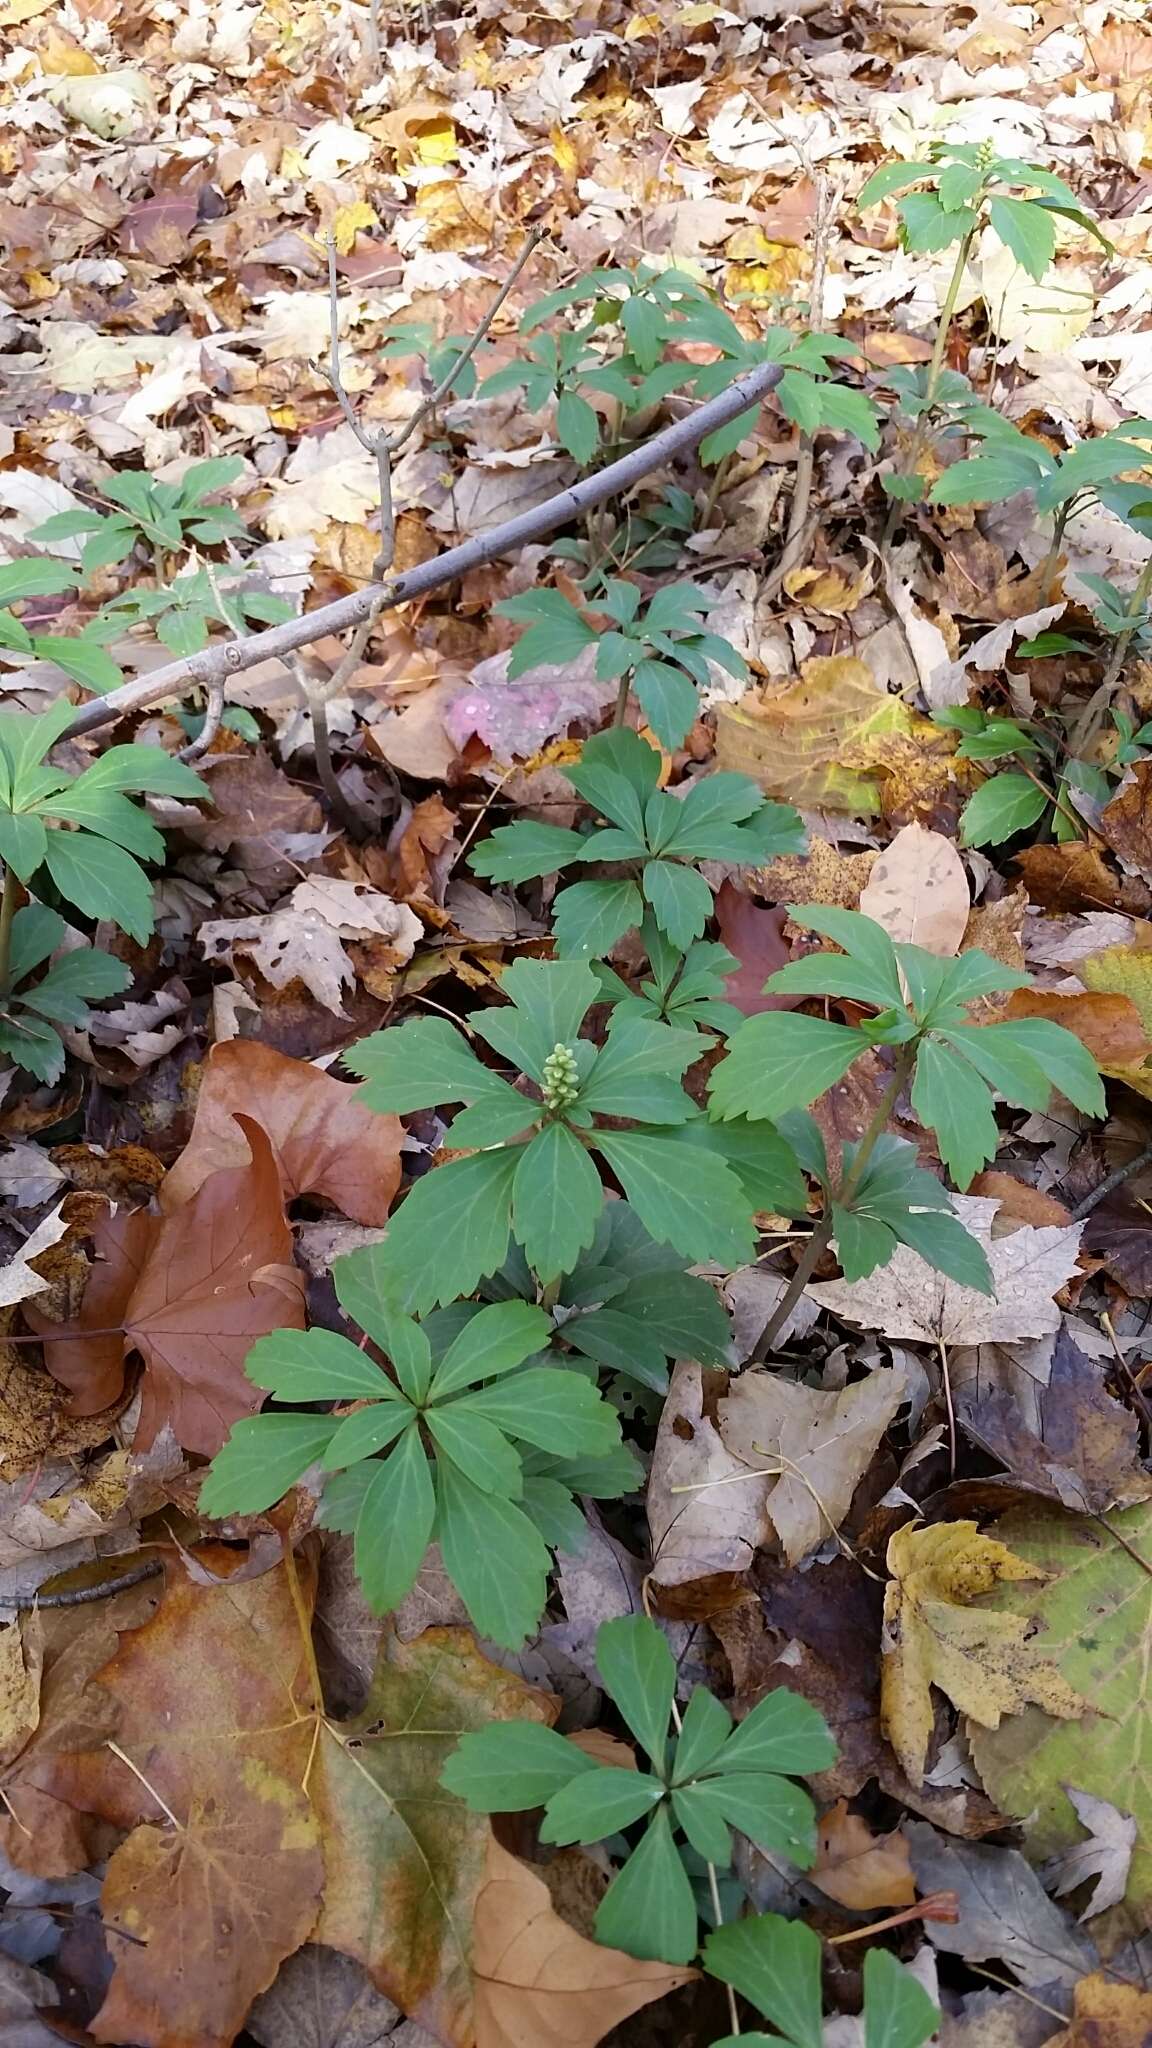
(909,1299)
(824,1441)
(918,891)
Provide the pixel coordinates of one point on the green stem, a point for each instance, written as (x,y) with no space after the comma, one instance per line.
(1053,555)
(8,903)
(723,469)
(621,711)
(1092,717)
(932,380)
(821,1235)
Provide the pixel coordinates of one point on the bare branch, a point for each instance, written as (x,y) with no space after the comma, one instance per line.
(446,382)
(230,657)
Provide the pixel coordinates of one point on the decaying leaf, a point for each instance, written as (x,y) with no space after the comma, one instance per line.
(793,743)
(192,1291)
(814,1446)
(1108,1022)
(857,1868)
(980,1657)
(18,1280)
(537,1980)
(918,891)
(1004,1909)
(1093,1616)
(1085,1451)
(303,940)
(1104,2009)
(325,1141)
(909,1299)
(706,1507)
(405,1862)
(1105,1855)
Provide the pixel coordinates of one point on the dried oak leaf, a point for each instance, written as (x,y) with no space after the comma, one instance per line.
(222,1874)
(537,1980)
(910,1299)
(192,1292)
(1085,1453)
(979,1657)
(324,1139)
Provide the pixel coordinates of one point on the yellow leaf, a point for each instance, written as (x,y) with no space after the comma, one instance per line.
(347,222)
(61,56)
(1125,971)
(792,743)
(642,25)
(828,589)
(435,141)
(564,152)
(778,269)
(934,1636)
(13,12)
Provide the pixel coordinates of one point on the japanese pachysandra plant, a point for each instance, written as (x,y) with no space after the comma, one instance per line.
(77,840)
(468,1433)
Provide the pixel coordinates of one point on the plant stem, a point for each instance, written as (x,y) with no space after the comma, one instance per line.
(1053,555)
(8,902)
(723,470)
(821,1236)
(1091,717)
(931,381)
(621,711)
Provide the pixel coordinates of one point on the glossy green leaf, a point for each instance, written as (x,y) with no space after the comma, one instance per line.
(101,880)
(263,1457)
(775,1964)
(668,698)
(599,1804)
(590,918)
(557,1197)
(1001,807)
(773,1812)
(942,1240)
(680,898)
(637,1072)
(23,842)
(33,1045)
(952,1099)
(316,1365)
(898,2012)
(649,1910)
(394,1526)
(782,1734)
(637,1668)
(685,1196)
(986,479)
(452,1229)
(494,1557)
(419,1065)
(493,1342)
(513,1766)
(781,1061)
(1062,1060)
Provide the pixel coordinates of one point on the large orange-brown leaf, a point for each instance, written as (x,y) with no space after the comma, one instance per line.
(222,1875)
(405,1860)
(218,1276)
(325,1141)
(191,1292)
(539,1981)
(92,1367)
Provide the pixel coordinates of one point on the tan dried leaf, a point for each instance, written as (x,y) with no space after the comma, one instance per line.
(825,1441)
(918,891)
(858,1869)
(909,1299)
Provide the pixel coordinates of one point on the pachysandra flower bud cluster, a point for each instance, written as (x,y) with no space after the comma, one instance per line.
(561,1083)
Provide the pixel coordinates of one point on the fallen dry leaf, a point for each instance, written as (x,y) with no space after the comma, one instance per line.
(405,1863)
(935,1636)
(858,1869)
(324,1140)
(1105,1855)
(909,1299)
(536,1980)
(709,1527)
(824,1441)
(192,1291)
(793,743)
(756,939)
(1085,1454)
(302,941)
(222,1874)
(918,891)
(18,1281)
(1105,2010)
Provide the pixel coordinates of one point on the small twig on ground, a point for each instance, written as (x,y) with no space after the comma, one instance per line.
(1111,1182)
(83,1596)
(231,657)
(1094,712)
(213,713)
(800,529)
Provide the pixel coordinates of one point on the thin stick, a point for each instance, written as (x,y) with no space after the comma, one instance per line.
(213,714)
(233,656)
(799,530)
(1111,1182)
(946,1377)
(83,1596)
(150,1789)
(1093,713)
